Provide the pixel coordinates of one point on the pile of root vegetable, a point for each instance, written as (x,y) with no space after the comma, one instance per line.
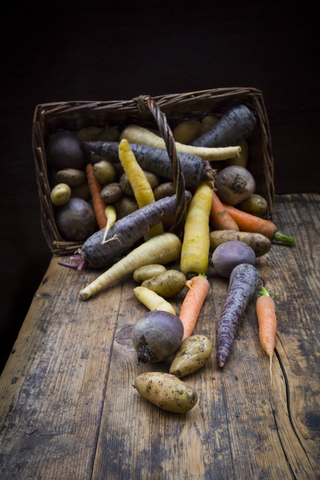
(113,191)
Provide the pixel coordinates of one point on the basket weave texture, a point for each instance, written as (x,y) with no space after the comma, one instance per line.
(75,115)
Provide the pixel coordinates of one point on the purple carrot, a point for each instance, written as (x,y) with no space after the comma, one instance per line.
(235,125)
(156,160)
(243,282)
(126,231)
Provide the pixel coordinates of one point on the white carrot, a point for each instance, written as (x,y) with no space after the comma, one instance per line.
(140,135)
(161,249)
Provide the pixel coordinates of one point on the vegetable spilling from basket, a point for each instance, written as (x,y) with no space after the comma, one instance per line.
(114,192)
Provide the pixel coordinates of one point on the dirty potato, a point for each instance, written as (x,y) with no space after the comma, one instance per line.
(111,192)
(71,176)
(192,354)
(167,284)
(148,271)
(166,391)
(259,243)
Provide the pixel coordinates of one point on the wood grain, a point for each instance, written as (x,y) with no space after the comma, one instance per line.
(69,411)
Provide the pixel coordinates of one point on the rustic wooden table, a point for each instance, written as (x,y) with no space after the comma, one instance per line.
(69,411)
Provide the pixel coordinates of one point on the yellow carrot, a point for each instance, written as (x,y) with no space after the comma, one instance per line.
(196,240)
(152,300)
(111,216)
(141,187)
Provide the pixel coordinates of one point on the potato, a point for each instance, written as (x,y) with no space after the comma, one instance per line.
(125,205)
(60,194)
(192,354)
(81,192)
(208,122)
(234,184)
(186,132)
(104,172)
(111,192)
(109,134)
(89,134)
(71,176)
(126,187)
(242,158)
(164,190)
(166,391)
(148,271)
(255,205)
(259,243)
(167,284)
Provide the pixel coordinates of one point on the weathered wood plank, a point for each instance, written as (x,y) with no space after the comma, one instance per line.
(53,387)
(68,408)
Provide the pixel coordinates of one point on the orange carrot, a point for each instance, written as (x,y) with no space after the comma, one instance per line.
(219,218)
(250,223)
(95,190)
(266,314)
(199,288)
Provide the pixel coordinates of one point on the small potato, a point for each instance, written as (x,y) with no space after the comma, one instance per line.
(94,158)
(241,159)
(167,284)
(104,172)
(186,132)
(259,243)
(148,271)
(125,205)
(71,176)
(111,192)
(164,190)
(126,187)
(81,192)
(60,194)
(208,122)
(255,205)
(109,134)
(192,354)
(89,134)
(166,391)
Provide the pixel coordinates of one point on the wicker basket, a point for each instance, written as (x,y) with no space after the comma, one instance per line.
(51,117)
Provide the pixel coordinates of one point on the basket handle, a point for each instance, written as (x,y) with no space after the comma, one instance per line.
(145,102)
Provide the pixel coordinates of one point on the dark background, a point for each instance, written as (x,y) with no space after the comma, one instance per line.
(113,50)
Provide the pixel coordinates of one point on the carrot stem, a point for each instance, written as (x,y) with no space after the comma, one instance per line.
(279,237)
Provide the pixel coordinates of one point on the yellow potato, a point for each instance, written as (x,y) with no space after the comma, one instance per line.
(255,205)
(166,391)
(191,355)
(186,132)
(89,133)
(148,271)
(104,172)
(60,194)
(167,284)
(207,123)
